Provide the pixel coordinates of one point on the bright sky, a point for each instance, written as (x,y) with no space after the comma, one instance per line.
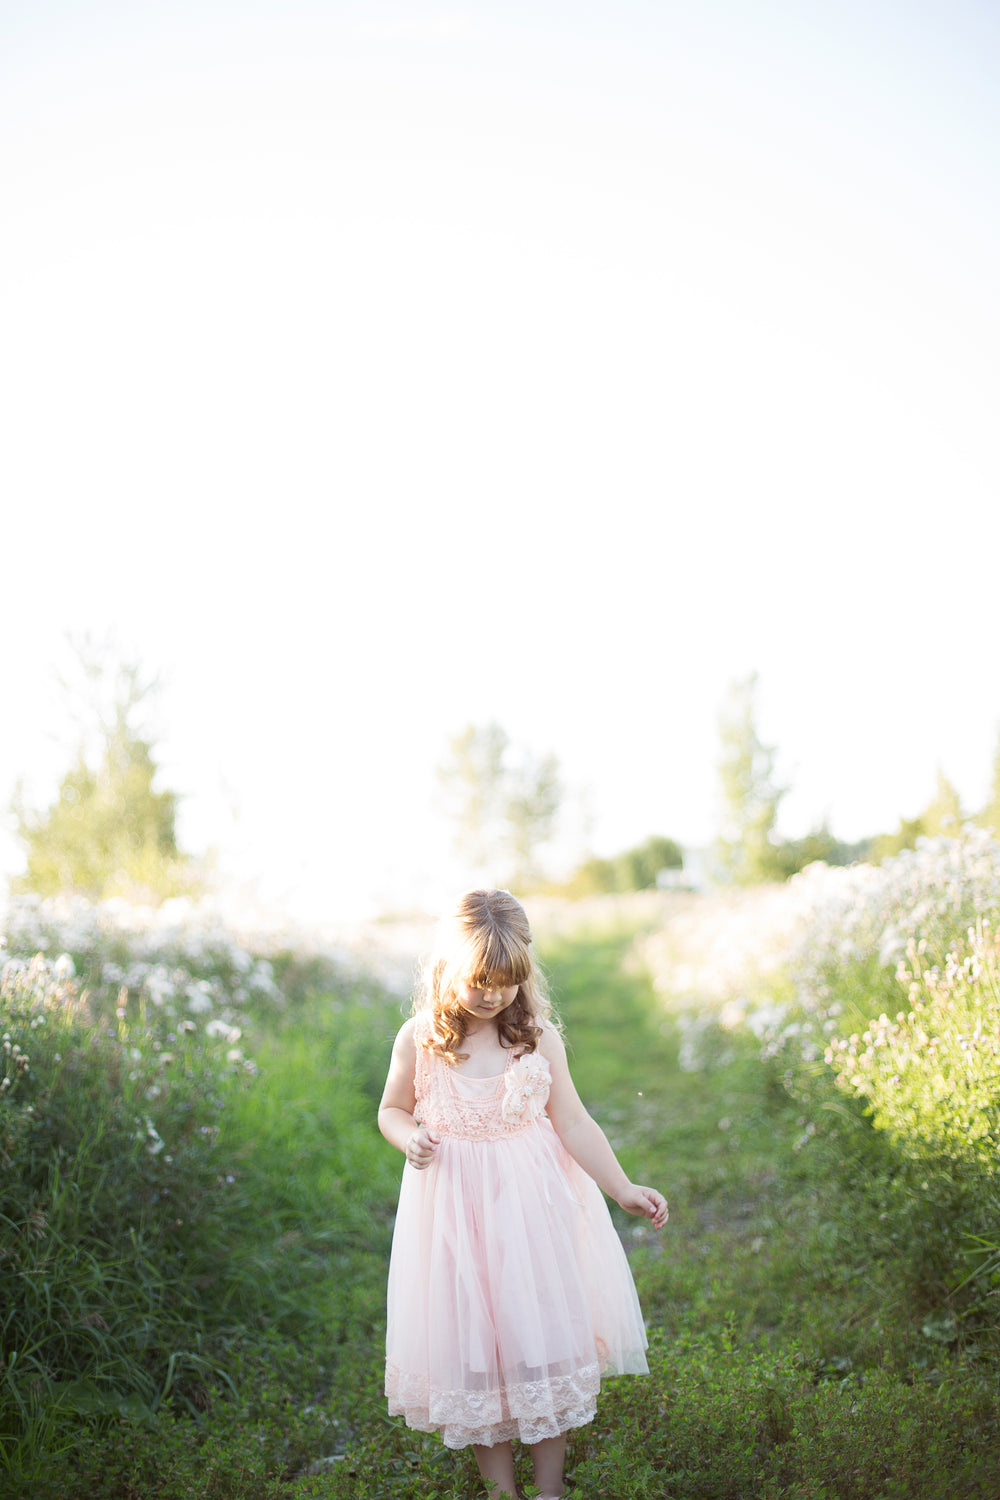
(373,369)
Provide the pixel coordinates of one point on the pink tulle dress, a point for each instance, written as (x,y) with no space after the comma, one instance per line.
(509,1292)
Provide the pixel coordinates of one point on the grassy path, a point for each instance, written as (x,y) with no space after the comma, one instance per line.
(720,1143)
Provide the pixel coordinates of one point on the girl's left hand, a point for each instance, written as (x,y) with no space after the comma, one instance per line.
(646,1203)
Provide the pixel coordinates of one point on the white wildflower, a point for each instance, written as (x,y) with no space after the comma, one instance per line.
(223,1030)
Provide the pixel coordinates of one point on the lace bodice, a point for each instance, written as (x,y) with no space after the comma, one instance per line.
(481,1109)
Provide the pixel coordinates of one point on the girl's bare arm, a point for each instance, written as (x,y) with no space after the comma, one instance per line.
(395,1113)
(586,1142)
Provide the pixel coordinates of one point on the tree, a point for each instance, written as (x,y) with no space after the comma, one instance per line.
(534,793)
(504,802)
(942,815)
(595,877)
(819,846)
(633,870)
(638,868)
(750,795)
(887,845)
(472,779)
(110,831)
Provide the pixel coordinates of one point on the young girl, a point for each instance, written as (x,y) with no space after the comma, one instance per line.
(509,1291)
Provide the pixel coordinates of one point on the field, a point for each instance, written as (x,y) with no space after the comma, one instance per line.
(197,1210)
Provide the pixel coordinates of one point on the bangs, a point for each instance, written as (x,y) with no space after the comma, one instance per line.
(499,979)
(494,962)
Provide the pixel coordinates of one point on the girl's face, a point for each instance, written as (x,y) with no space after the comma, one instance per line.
(482,1003)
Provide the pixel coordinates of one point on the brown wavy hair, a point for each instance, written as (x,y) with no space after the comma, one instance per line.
(485,942)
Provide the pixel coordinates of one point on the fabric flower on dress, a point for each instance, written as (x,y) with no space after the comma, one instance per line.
(527,1084)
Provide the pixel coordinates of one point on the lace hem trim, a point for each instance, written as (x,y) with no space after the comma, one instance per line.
(527,1410)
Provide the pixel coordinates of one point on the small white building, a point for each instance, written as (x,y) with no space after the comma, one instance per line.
(697,874)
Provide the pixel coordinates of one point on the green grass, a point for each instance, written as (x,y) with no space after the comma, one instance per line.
(786,1363)
(307,1153)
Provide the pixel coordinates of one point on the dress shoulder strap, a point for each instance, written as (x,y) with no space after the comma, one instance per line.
(423,1027)
(422,1030)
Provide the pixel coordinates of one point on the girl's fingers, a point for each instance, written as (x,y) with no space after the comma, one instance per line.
(421,1148)
(656,1207)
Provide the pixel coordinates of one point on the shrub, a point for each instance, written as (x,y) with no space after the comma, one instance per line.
(895,988)
(161,1210)
(107,1177)
(931,1074)
(857,923)
(177,963)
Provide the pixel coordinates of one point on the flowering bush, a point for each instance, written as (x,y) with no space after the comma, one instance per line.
(818,956)
(888,973)
(711,950)
(172,973)
(859,922)
(932,1073)
(108,1178)
(119,1044)
(881,984)
(42,1008)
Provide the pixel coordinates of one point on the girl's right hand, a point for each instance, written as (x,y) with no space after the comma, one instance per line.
(645,1203)
(420,1148)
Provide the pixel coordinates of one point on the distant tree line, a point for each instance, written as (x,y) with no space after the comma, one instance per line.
(111,829)
(635,869)
(504,800)
(750,850)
